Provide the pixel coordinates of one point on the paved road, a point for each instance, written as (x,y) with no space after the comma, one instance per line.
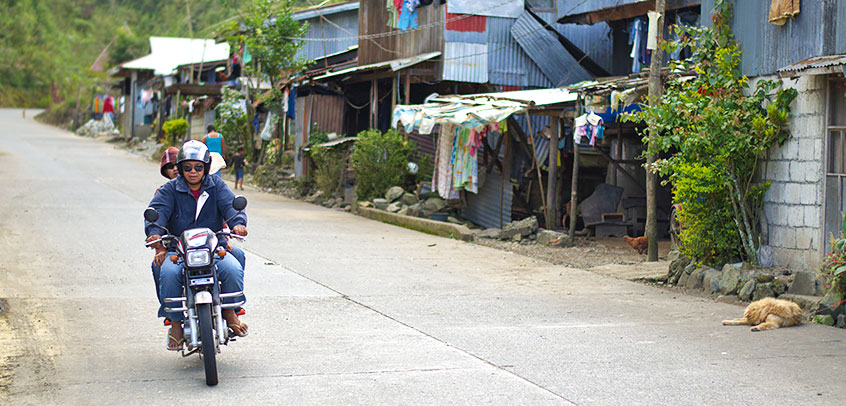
(344,310)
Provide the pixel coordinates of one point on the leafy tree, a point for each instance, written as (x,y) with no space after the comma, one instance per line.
(714,130)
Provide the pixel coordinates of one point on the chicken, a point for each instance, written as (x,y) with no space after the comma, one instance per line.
(639,243)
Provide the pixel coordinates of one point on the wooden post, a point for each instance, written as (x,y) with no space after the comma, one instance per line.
(655,87)
(552,173)
(133,94)
(407,95)
(619,147)
(574,181)
(374,101)
(537,161)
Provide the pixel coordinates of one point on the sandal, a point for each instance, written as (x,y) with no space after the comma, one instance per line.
(240,329)
(177,346)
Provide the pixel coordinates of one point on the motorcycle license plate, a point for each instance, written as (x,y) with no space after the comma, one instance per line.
(200,281)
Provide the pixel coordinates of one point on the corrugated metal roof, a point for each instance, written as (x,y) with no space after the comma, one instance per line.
(815,65)
(464,62)
(166,53)
(395,65)
(508,64)
(330,28)
(312,12)
(544,49)
(536,97)
(493,8)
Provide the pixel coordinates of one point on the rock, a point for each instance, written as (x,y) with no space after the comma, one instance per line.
(730,279)
(676,268)
(711,281)
(764,278)
(409,199)
(747,290)
(523,227)
(544,237)
(380,204)
(517,237)
(690,268)
(394,207)
(394,193)
(683,279)
(348,209)
(810,304)
(434,204)
(696,278)
(403,211)
(314,196)
(490,233)
(453,220)
(804,283)
(414,210)
(674,255)
(841,321)
(365,204)
(779,286)
(824,319)
(763,290)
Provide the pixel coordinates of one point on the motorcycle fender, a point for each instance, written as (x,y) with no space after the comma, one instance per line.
(202,298)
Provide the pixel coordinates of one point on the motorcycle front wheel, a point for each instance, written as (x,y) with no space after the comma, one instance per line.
(208,343)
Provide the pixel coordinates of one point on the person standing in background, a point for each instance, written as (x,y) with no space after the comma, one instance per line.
(214,141)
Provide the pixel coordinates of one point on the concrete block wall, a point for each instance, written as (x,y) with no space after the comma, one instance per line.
(794,202)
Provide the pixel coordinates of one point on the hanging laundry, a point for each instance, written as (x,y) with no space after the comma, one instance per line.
(781,10)
(393,13)
(465,164)
(292,104)
(442,175)
(634,41)
(408,16)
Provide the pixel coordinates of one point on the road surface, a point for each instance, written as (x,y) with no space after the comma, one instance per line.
(345,310)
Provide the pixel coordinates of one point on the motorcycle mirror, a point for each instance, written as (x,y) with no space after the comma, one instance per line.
(239,203)
(151,214)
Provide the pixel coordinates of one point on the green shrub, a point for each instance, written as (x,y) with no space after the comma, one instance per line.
(175,130)
(380,162)
(329,165)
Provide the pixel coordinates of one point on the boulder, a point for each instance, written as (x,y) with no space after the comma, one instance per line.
(523,227)
(490,233)
(314,197)
(841,321)
(434,204)
(403,211)
(696,278)
(674,255)
(408,199)
(394,193)
(804,283)
(676,268)
(546,236)
(453,220)
(380,204)
(730,279)
(414,210)
(394,207)
(747,290)
(517,237)
(779,286)
(683,279)
(711,281)
(823,319)
(763,290)
(764,278)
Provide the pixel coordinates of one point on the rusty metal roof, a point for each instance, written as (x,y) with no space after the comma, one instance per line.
(815,65)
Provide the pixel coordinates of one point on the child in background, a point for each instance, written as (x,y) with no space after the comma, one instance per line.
(238,165)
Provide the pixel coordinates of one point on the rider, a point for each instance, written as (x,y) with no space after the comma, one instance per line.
(169,170)
(195,199)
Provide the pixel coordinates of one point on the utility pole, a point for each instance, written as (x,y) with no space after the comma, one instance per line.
(655,88)
(190,34)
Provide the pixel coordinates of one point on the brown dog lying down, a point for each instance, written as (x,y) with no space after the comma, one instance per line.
(769,313)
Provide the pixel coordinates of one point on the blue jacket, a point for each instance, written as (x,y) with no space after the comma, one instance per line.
(178,210)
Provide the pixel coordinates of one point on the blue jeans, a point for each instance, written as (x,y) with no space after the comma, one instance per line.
(229,273)
(157,270)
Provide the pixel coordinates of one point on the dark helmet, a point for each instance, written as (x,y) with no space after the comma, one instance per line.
(194,151)
(168,158)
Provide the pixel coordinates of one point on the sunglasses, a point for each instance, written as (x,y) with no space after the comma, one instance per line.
(197,167)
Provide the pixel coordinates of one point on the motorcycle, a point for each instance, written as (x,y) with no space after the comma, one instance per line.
(204,327)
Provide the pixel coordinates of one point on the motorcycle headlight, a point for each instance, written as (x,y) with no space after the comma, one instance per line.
(198,258)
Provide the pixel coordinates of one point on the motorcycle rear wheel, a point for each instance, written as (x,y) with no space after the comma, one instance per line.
(208,343)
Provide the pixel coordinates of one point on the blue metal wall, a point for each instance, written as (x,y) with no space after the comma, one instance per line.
(508,64)
(347,26)
(767,47)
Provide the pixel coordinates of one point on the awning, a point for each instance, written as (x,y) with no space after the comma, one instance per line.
(624,11)
(478,109)
(168,53)
(817,65)
(394,65)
